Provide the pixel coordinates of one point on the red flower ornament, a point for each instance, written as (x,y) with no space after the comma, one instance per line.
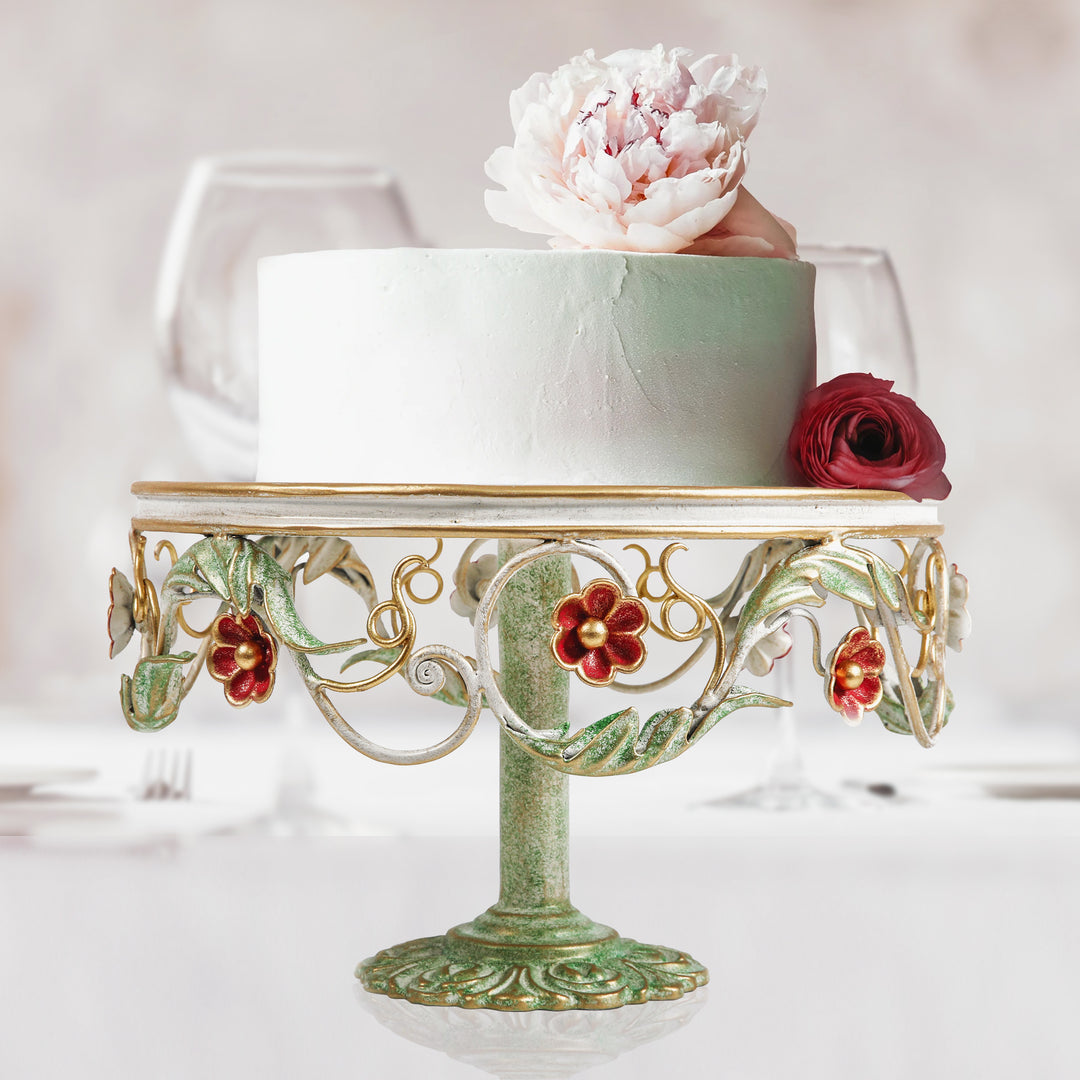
(598,632)
(854,432)
(243,657)
(855,668)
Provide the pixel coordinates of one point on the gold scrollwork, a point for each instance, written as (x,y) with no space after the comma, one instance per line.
(674,595)
(402,634)
(145,608)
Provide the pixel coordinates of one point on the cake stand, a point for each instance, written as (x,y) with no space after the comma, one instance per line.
(533,949)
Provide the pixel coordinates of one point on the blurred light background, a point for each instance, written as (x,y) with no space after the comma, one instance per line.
(943,130)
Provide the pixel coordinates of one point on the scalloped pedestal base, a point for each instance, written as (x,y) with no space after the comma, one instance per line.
(605,975)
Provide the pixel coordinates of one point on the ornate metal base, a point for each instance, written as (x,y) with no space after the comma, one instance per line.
(453,970)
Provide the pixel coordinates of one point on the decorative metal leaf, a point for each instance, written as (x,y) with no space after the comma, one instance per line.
(842,571)
(277,600)
(619,744)
(212,557)
(151,698)
(887,579)
(324,553)
(782,590)
(893,716)
(242,574)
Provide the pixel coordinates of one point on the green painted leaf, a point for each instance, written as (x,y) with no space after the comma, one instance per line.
(888,580)
(151,697)
(842,571)
(893,716)
(212,557)
(739,697)
(779,591)
(243,572)
(619,743)
(277,600)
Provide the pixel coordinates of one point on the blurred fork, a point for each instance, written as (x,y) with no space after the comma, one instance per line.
(166,775)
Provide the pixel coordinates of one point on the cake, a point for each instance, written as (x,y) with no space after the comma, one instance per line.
(531,367)
(654,346)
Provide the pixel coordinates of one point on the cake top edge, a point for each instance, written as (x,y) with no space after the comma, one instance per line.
(420,255)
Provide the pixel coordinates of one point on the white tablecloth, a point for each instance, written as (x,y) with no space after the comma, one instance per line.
(933,934)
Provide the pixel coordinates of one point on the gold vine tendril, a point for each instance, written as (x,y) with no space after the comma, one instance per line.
(926,603)
(166,545)
(672,596)
(402,623)
(144,607)
(423,566)
(183,623)
(642,584)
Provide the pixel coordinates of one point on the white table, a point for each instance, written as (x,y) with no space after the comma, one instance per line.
(936,937)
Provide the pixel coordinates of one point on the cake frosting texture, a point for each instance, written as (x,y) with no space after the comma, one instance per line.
(531,367)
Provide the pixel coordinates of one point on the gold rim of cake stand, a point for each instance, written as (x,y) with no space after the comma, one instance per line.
(221,517)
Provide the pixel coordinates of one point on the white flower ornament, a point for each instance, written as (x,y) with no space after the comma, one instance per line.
(637,152)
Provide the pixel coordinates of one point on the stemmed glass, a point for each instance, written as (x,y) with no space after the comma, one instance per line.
(235,209)
(862,326)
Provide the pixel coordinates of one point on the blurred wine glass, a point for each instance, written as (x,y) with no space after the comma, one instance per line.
(862,326)
(233,210)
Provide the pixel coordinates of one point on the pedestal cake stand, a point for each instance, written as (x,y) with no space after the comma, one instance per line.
(533,949)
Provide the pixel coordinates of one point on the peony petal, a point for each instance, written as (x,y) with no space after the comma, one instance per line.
(736,247)
(669,199)
(748,218)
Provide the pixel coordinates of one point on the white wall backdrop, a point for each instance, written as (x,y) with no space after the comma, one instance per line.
(944,131)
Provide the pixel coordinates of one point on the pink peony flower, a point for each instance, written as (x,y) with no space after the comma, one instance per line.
(636,152)
(854,432)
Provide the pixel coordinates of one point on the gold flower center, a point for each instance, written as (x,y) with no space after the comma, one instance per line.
(248,655)
(850,675)
(593,633)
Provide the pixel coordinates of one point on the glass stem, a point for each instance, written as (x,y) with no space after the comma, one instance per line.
(786,768)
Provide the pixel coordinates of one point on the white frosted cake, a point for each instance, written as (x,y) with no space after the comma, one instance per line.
(531,367)
(667,340)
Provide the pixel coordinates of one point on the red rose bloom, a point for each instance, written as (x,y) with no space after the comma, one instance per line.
(854,682)
(854,432)
(598,632)
(243,657)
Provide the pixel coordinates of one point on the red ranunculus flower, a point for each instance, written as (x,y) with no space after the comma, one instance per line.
(598,632)
(243,657)
(854,432)
(854,682)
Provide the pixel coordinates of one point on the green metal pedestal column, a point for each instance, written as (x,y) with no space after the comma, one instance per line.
(532,949)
